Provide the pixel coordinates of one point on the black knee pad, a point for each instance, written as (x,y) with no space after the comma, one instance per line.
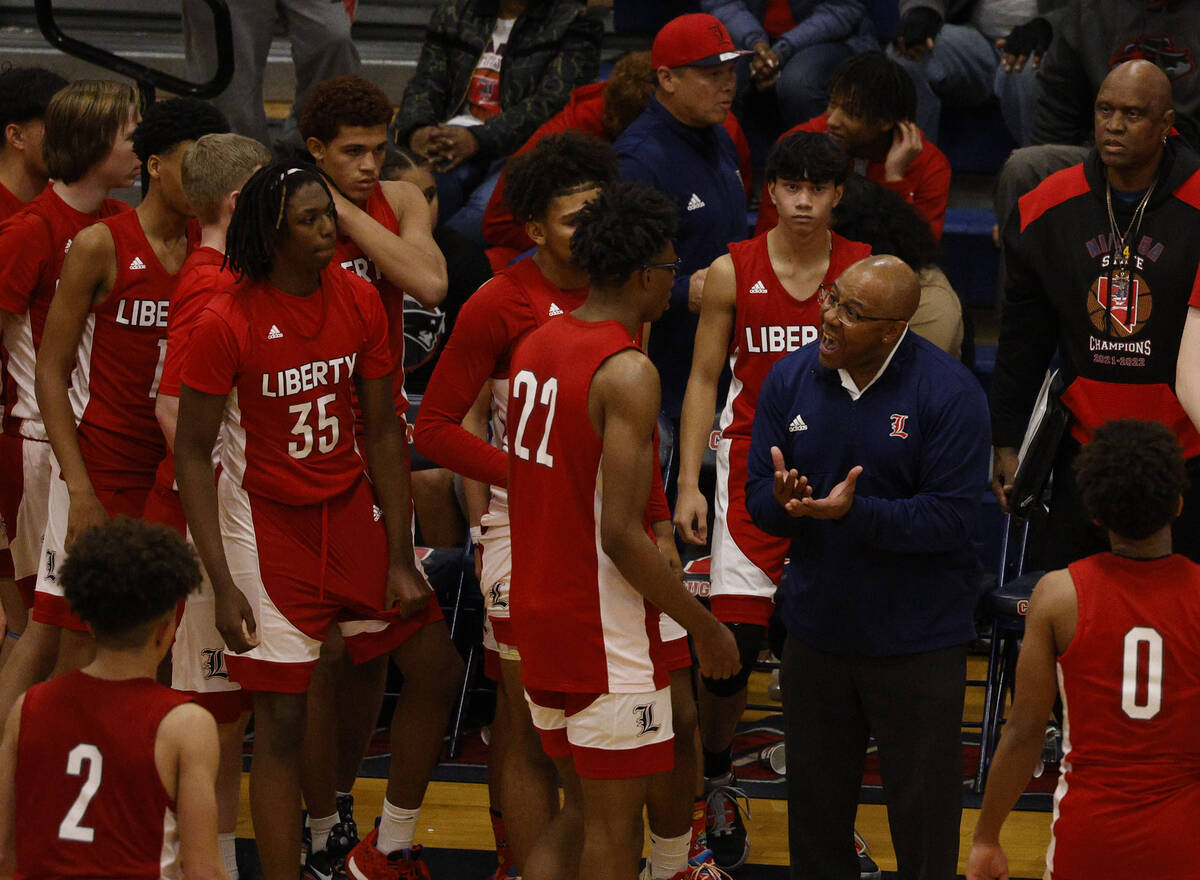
(749,637)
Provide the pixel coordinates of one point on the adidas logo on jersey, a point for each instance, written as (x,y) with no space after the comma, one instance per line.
(274,333)
(376,512)
(695,203)
(797,425)
(758,287)
(137,263)
(555,311)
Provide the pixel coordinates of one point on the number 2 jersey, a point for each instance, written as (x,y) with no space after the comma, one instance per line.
(580,626)
(1129,790)
(89,799)
(290,362)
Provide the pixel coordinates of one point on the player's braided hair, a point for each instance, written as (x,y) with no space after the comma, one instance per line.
(167,123)
(873,86)
(126,573)
(556,164)
(621,230)
(808,155)
(24,94)
(1130,476)
(260,217)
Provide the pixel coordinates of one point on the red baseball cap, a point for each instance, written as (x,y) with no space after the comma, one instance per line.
(694,40)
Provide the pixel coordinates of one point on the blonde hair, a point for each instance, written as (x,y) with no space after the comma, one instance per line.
(215,166)
(82,124)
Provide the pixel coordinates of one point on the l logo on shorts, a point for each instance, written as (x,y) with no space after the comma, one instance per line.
(496,594)
(644,715)
(213,662)
(50,566)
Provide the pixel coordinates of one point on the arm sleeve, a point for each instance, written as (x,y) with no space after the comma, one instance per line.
(212,357)
(830,22)
(375,357)
(480,338)
(25,248)
(927,190)
(744,28)
(940,517)
(1062,112)
(1028,337)
(427,94)
(182,318)
(770,424)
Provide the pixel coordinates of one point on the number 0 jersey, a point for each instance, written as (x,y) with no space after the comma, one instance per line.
(290,363)
(1129,790)
(580,626)
(89,799)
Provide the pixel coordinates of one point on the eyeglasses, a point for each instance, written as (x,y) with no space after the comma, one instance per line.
(847,315)
(675,267)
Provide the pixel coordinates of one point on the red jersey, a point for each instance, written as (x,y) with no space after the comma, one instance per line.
(290,361)
(33,244)
(120,364)
(9,204)
(89,799)
(580,625)
(926,185)
(351,258)
(769,322)
(1129,789)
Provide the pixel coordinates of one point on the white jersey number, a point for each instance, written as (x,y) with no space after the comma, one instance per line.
(158,368)
(69,828)
(525,388)
(327,432)
(1150,706)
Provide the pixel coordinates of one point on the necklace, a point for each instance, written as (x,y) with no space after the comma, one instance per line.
(1118,273)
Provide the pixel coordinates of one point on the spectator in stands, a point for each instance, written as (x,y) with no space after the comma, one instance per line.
(679,146)
(872,103)
(24,94)
(961,52)
(875,215)
(321,48)
(489,74)
(1108,289)
(796,45)
(869,451)
(603,109)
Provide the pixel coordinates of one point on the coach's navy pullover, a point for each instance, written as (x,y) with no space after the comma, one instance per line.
(698,169)
(898,574)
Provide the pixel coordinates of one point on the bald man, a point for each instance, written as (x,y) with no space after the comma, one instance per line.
(870,451)
(1101,264)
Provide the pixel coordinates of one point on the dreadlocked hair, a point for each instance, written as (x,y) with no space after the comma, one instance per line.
(873,86)
(168,123)
(617,232)
(556,164)
(260,217)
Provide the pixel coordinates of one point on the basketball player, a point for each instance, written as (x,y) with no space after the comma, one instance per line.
(588,582)
(24,94)
(759,304)
(103,771)
(108,321)
(88,146)
(213,173)
(1115,635)
(300,541)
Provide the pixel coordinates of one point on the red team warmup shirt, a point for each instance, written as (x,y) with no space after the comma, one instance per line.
(33,244)
(290,362)
(580,626)
(89,800)
(9,204)
(1129,791)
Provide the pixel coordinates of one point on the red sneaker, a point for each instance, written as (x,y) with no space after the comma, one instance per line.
(366,862)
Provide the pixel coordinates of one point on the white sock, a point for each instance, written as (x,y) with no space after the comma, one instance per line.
(397,827)
(228,854)
(320,830)
(669,855)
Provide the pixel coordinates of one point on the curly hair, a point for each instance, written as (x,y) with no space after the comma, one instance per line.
(557,164)
(808,155)
(343,100)
(126,573)
(1130,476)
(875,215)
(873,86)
(259,219)
(25,92)
(620,229)
(627,92)
(167,123)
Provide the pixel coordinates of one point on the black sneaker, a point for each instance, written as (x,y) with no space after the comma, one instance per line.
(319,866)
(343,836)
(867,869)
(724,827)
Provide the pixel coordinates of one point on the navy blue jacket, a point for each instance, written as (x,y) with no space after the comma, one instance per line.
(698,168)
(898,574)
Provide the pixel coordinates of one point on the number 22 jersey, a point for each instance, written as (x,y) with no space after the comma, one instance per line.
(290,362)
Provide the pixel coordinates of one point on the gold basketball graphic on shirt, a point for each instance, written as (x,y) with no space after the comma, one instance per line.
(1120,303)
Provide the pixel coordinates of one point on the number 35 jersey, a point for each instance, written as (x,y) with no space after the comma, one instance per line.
(287,364)
(89,798)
